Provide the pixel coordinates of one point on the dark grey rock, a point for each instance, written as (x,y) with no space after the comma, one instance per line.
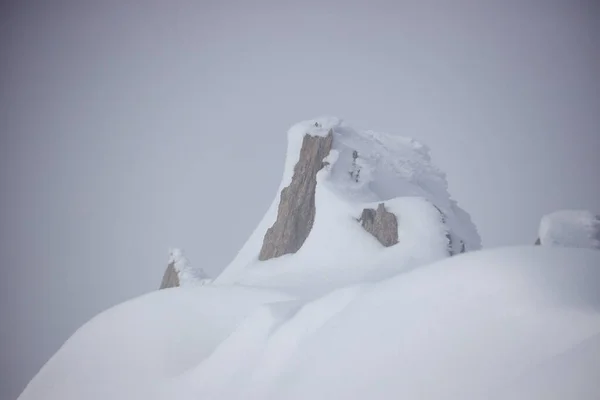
(296,211)
(170,278)
(380,223)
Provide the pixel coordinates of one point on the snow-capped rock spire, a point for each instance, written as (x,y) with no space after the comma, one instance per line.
(179,272)
(335,178)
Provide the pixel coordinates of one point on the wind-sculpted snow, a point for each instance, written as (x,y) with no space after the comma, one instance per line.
(342,316)
(362,170)
(135,350)
(180,272)
(570,228)
(514,323)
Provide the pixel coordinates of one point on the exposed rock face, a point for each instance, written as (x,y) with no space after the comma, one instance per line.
(170,278)
(296,211)
(380,223)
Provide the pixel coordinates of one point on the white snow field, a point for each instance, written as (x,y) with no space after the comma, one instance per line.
(345,317)
(570,228)
(512,323)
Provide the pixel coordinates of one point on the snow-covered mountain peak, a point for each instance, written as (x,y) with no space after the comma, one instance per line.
(333,175)
(320,302)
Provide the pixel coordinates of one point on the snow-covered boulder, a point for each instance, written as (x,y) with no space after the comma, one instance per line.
(179,272)
(355,199)
(570,228)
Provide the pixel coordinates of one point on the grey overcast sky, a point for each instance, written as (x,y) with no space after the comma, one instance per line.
(131,126)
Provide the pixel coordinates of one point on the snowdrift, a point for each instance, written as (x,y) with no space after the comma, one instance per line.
(514,323)
(570,228)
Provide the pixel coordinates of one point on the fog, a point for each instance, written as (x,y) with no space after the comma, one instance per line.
(129,127)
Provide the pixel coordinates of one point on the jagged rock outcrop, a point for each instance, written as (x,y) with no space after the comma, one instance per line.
(179,272)
(380,223)
(570,228)
(296,211)
(170,278)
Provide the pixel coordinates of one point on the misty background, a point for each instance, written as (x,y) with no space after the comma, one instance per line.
(129,127)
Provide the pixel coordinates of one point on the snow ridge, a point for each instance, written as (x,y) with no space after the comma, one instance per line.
(514,323)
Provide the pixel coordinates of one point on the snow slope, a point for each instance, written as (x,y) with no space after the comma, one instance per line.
(391,169)
(133,350)
(513,323)
(345,317)
(570,228)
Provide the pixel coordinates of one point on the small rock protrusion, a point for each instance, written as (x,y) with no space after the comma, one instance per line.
(380,223)
(170,278)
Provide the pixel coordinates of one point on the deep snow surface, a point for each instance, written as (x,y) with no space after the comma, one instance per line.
(514,323)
